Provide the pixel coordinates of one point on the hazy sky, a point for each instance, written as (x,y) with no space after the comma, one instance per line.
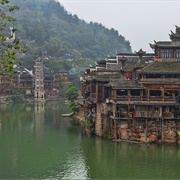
(141,22)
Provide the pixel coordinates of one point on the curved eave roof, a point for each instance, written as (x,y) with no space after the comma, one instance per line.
(125,84)
(173,36)
(101,62)
(160,81)
(165,44)
(161,68)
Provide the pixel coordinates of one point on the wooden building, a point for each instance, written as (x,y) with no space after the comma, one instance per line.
(139,100)
(23,82)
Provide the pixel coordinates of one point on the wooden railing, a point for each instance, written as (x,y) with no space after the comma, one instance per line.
(145,98)
(153,114)
(168,115)
(147,114)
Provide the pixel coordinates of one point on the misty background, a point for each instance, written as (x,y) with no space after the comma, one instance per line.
(140,22)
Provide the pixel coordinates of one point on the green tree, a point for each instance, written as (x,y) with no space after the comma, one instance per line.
(71,92)
(9,44)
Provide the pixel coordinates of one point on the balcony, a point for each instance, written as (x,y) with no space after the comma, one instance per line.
(168,115)
(145,98)
(147,114)
(153,114)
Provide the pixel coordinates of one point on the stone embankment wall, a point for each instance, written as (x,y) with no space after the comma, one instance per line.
(98,123)
(138,130)
(160,131)
(82,112)
(102,124)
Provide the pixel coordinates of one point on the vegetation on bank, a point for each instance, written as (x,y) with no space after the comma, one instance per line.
(9,45)
(71,93)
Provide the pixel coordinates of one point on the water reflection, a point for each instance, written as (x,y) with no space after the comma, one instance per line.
(37,143)
(39,119)
(72,167)
(131,161)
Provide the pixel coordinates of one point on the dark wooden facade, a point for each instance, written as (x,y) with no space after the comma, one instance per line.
(23,82)
(142,102)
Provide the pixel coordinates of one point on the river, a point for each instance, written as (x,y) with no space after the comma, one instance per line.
(37,143)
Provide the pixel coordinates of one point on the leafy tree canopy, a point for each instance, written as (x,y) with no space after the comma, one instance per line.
(71,92)
(9,44)
(45,23)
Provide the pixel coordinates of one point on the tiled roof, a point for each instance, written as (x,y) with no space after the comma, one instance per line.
(104,77)
(101,62)
(125,84)
(165,44)
(161,80)
(162,67)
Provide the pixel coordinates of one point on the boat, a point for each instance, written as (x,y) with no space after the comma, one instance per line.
(68,115)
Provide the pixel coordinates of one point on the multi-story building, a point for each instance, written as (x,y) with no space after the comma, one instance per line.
(142,102)
(39,80)
(23,82)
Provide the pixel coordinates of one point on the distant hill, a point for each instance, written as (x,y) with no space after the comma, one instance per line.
(48,26)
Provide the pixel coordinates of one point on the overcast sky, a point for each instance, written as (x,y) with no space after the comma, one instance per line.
(141,22)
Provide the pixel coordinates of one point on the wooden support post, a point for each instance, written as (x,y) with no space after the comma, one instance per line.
(160,111)
(162,130)
(148,94)
(129,94)
(103,90)
(115,93)
(115,129)
(146,131)
(114,110)
(115,117)
(163,94)
(156,128)
(97,89)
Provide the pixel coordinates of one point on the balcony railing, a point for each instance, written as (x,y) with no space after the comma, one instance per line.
(145,98)
(168,115)
(153,114)
(147,114)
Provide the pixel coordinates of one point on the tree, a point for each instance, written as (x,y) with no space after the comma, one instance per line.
(9,44)
(71,92)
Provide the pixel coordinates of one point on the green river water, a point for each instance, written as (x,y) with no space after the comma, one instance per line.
(37,143)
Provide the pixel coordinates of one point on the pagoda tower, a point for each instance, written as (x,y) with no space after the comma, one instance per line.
(39,80)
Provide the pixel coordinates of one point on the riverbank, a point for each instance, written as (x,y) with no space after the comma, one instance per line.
(161,132)
(83,123)
(7,99)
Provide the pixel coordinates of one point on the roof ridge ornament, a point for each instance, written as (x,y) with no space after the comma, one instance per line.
(172,32)
(176,26)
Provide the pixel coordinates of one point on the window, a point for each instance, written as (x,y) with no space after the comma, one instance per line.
(166,53)
(155,93)
(122,92)
(135,92)
(153,76)
(177,53)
